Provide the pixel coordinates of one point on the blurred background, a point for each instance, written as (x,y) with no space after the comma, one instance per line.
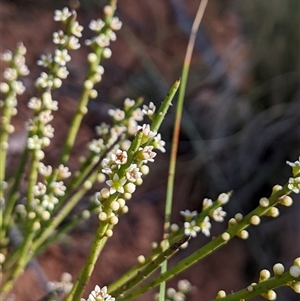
(241,123)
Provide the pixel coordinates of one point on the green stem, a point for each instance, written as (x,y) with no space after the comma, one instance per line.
(149,268)
(259,288)
(209,247)
(86,272)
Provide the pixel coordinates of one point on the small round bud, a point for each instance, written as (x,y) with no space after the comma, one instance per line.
(255,220)
(296,286)
(92,57)
(45,215)
(174,228)
(294,271)
(10,128)
(278,269)
(221,294)
(244,234)
(93,94)
(107,53)
(57,82)
(87,184)
(286,201)
(125,209)
(36,226)
(88,84)
(108,10)
(232,222)
(121,202)
(184,286)
(223,198)
(109,233)
(2,258)
(130,187)
(113,220)
(154,245)
(144,170)
(104,192)
(185,245)
(264,275)
(225,236)
(249,288)
(85,214)
(101,178)
(272,212)
(31,215)
(83,110)
(238,217)
(115,206)
(276,188)
(264,202)
(270,295)
(297,261)
(127,196)
(141,259)
(139,181)
(39,155)
(102,216)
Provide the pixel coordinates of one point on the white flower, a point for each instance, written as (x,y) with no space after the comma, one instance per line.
(116,184)
(48,131)
(133,173)
(295,166)
(96,145)
(39,189)
(115,23)
(62,57)
(158,143)
(34,103)
(59,37)
(294,184)
(117,114)
(58,188)
(119,156)
(137,114)
(149,110)
(102,40)
(102,129)
(62,15)
(218,214)
(62,72)
(44,80)
(77,29)
(145,128)
(100,294)
(205,226)
(188,215)
(45,116)
(128,103)
(73,43)
(96,25)
(63,172)
(45,170)
(18,87)
(10,74)
(34,142)
(49,201)
(45,60)
(6,56)
(146,154)
(206,203)
(191,229)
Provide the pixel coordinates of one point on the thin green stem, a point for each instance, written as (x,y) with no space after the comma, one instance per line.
(147,270)
(172,165)
(209,247)
(259,288)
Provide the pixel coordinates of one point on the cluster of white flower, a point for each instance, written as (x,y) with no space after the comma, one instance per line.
(294,183)
(184,287)
(192,227)
(99,294)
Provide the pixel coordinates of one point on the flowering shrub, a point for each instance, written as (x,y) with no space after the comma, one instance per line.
(118,158)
